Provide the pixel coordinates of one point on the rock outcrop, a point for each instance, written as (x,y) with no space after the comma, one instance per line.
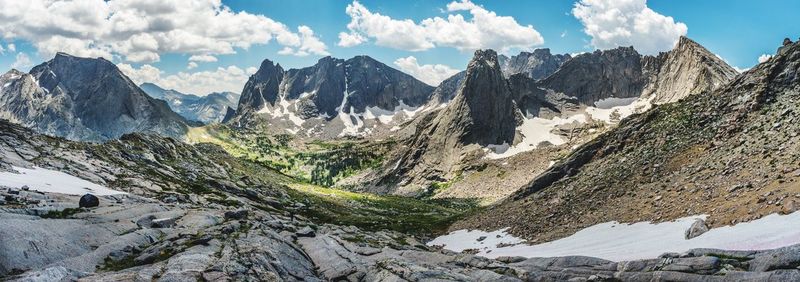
(83,99)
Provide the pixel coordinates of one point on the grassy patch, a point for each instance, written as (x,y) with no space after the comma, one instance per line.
(317,162)
(65,213)
(374,212)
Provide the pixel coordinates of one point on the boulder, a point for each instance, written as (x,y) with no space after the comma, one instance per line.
(163,222)
(787,41)
(698,228)
(305,232)
(238,214)
(89,201)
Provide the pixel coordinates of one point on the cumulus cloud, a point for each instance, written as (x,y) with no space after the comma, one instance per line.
(764,58)
(191,65)
(22,61)
(2,50)
(231,78)
(484,29)
(350,39)
(139,31)
(430,74)
(12,47)
(613,23)
(202,58)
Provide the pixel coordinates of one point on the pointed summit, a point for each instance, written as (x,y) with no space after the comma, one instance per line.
(482,113)
(687,69)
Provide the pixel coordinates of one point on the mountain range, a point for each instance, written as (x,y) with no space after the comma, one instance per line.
(490,111)
(207,109)
(729,152)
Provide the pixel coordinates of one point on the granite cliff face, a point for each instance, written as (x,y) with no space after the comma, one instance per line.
(83,99)
(591,77)
(206,109)
(537,65)
(345,91)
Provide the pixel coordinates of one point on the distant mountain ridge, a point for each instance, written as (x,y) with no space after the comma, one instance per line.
(206,109)
(536,65)
(84,99)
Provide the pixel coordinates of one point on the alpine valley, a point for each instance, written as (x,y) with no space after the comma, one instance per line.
(601,166)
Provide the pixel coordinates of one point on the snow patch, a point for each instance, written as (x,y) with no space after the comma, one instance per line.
(621,242)
(624,107)
(534,131)
(46,180)
(385,116)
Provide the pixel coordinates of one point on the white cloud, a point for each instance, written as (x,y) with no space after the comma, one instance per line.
(12,47)
(203,58)
(231,78)
(22,61)
(613,23)
(430,74)
(764,58)
(485,29)
(139,31)
(191,65)
(350,39)
(2,50)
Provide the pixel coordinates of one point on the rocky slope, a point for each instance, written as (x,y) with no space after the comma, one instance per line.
(731,153)
(333,98)
(206,109)
(537,65)
(83,99)
(193,213)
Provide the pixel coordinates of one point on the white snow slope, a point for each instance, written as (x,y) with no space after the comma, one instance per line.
(621,242)
(45,180)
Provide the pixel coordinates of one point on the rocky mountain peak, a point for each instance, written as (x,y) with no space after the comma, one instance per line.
(687,69)
(85,99)
(484,104)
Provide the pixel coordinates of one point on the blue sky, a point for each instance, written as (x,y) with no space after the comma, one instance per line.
(737,30)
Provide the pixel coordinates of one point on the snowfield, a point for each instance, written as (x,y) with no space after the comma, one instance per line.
(536,130)
(46,180)
(622,242)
